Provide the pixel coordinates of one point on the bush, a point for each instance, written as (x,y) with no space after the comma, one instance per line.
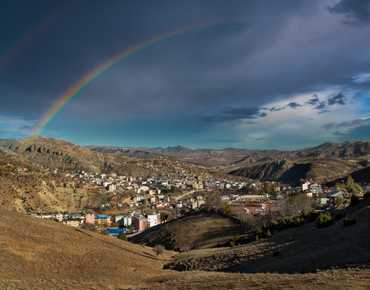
(290,239)
(258,232)
(354,199)
(268,234)
(311,216)
(324,220)
(348,222)
(122,236)
(338,216)
(104,232)
(158,250)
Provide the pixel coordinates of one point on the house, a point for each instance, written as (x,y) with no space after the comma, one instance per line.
(103,220)
(90,218)
(141,223)
(73,222)
(154,219)
(59,216)
(255,207)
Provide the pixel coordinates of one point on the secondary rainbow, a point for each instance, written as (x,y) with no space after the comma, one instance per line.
(78,87)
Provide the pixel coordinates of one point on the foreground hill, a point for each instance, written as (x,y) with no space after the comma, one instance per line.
(32,246)
(312,248)
(43,254)
(197,231)
(324,163)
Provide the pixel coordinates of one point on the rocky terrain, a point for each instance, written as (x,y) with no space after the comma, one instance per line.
(325,163)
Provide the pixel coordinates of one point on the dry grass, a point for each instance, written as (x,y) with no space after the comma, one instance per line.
(199,231)
(312,248)
(41,254)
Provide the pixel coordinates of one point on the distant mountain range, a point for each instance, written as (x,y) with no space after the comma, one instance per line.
(328,162)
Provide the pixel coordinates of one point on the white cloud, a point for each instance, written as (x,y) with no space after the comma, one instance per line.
(16,127)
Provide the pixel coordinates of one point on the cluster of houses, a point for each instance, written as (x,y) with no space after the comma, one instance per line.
(130,219)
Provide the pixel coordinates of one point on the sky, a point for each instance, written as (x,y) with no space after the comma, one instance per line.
(266,74)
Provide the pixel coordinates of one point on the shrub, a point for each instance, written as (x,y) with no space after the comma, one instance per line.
(348,222)
(237,241)
(324,220)
(311,216)
(290,239)
(104,232)
(268,234)
(258,232)
(354,199)
(122,236)
(158,250)
(272,224)
(338,216)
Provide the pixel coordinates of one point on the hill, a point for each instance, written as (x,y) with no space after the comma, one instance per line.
(43,254)
(324,163)
(197,231)
(311,249)
(34,247)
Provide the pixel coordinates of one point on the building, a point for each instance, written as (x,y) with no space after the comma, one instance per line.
(124,220)
(90,218)
(73,222)
(103,220)
(141,223)
(154,219)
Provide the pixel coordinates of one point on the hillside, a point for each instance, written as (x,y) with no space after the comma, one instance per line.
(43,254)
(324,163)
(31,247)
(198,231)
(311,249)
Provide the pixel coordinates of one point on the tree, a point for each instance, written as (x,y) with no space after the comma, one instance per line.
(324,220)
(122,236)
(338,200)
(158,250)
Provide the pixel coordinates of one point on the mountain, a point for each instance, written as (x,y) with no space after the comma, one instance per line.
(324,163)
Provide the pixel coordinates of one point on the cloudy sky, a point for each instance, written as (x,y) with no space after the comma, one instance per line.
(266,74)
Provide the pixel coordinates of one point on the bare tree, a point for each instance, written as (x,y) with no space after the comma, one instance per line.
(158,250)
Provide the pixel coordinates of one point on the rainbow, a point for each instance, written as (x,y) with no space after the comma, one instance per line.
(16,46)
(79,86)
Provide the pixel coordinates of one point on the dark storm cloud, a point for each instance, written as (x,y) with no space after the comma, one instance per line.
(337,100)
(273,52)
(320,106)
(231,114)
(274,109)
(358,133)
(352,123)
(313,101)
(293,105)
(358,11)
